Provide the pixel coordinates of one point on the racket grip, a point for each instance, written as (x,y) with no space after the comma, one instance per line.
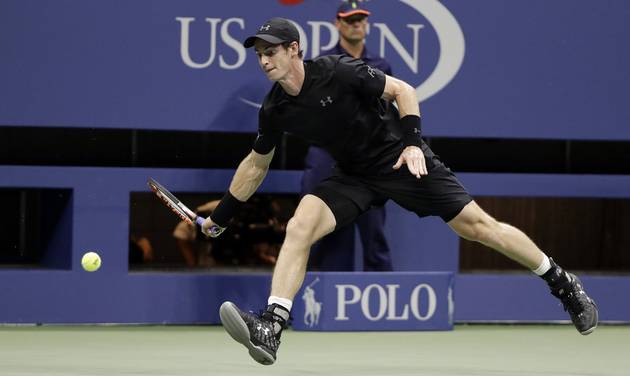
(214,229)
(199,220)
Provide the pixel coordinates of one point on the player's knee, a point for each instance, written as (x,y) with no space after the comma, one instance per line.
(300,229)
(483,230)
(488,232)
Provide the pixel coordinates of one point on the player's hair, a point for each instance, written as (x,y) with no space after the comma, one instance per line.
(286,47)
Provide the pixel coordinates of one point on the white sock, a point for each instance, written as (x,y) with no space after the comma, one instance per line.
(544,267)
(286,303)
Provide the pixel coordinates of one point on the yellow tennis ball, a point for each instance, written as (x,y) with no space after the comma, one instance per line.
(91,261)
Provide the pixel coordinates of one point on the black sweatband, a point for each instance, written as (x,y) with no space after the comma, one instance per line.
(411,130)
(225,210)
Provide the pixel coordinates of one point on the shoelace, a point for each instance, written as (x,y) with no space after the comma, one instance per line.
(575,301)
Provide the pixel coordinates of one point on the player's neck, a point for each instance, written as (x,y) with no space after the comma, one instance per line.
(293,81)
(354,49)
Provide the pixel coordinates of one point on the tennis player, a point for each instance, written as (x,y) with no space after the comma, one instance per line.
(344,106)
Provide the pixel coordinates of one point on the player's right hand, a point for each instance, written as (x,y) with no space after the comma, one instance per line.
(209,228)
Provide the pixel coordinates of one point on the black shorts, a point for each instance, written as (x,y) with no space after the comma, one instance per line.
(437,194)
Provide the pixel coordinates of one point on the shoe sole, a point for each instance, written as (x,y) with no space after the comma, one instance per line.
(237,329)
(590,330)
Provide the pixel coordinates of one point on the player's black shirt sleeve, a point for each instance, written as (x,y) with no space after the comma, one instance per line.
(267,136)
(365,80)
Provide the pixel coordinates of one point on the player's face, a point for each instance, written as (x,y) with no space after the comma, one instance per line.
(274,59)
(353,29)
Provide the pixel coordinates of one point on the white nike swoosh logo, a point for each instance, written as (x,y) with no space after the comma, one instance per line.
(250,103)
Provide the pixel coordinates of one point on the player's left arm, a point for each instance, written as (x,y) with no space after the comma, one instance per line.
(409,109)
(368,81)
(403,94)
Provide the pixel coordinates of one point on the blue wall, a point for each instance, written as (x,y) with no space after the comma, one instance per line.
(486,68)
(100,212)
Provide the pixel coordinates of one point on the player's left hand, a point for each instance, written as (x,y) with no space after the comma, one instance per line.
(414,158)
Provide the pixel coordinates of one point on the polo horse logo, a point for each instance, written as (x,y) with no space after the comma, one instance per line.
(312,308)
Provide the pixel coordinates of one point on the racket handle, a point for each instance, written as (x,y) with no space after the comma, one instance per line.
(214,229)
(199,220)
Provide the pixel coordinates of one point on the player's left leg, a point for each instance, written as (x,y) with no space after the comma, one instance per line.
(473,223)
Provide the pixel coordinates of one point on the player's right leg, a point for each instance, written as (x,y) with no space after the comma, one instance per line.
(260,333)
(312,220)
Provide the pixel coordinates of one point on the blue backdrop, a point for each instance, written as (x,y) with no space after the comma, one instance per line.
(487,68)
(97,218)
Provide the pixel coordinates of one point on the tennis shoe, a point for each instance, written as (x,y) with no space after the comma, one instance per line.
(577,303)
(259,333)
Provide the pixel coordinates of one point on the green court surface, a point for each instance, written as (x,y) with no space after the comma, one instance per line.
(208,350)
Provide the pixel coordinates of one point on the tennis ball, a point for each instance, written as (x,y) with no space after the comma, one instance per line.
(91,261)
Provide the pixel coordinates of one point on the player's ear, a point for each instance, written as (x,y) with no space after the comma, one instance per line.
(295,48)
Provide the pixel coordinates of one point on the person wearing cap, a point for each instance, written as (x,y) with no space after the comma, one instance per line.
(351,22)
(345,106)
(335,252)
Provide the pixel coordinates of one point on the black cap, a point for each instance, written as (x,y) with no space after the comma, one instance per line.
(352,7)
(275,31)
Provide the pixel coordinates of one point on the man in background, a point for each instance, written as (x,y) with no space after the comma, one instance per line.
(335,252)
(196,252)
(140,250)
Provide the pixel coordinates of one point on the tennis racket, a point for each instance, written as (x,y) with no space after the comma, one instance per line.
(180,209)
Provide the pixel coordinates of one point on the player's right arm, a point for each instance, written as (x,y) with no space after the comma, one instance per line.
(247,178)
(253,169)
(250,174)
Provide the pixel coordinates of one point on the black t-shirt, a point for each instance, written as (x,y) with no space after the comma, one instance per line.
(339,108)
